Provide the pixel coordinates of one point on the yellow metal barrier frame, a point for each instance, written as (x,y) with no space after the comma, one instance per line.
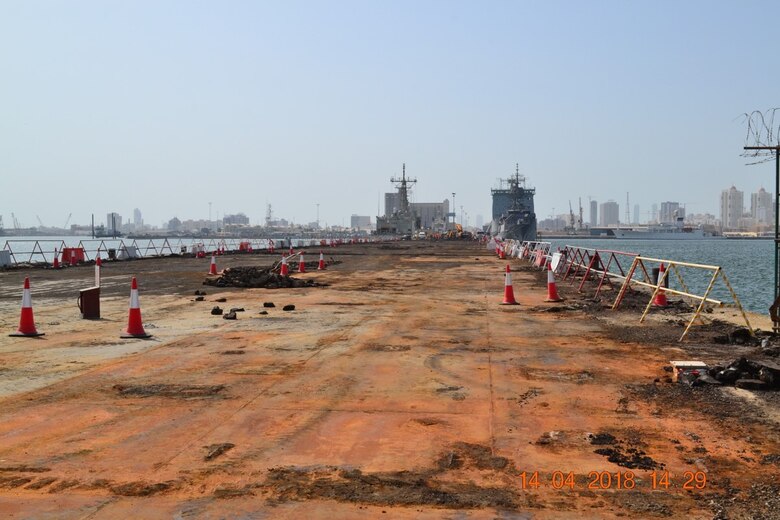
(673,266)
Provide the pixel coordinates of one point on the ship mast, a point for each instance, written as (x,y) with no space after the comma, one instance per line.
(403,189)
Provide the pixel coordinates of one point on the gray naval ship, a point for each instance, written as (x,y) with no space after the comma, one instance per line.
(513,209)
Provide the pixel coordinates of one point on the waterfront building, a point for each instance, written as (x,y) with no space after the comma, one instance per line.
(761,207)
(594,213)
(610,214)
(113,222)
(670,212)
(731,208)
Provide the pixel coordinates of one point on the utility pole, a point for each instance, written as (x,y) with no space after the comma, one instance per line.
(763,133)
(318,215)
(453,210)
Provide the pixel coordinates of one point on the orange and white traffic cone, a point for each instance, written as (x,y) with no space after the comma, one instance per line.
(292,252)
(552,290)
(56,263)
(660,297)
(213,267)
(321,265)
(509,293)
(301,264)
(26,320)
(135,326)
(283,270)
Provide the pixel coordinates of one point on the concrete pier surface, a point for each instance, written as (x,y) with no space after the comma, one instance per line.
(402,389)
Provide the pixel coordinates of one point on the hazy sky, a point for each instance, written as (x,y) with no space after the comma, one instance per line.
(169,105)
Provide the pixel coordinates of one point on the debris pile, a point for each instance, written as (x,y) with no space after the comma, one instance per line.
(257,277)
(741,373)
(748,374)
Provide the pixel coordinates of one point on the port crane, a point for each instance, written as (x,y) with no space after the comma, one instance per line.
(67,221)
(15,221)
(571,219)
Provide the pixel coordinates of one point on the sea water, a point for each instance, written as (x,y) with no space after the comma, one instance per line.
(748,264)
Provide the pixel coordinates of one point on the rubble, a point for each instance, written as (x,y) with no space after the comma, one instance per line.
(216,311)
(257,277)
(741,373)
(288,308)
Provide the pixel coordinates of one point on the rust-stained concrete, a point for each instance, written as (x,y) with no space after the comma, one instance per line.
(401,390)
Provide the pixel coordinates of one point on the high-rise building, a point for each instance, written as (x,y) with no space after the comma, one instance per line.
(113,222)
(761,207)
(670,211)
(732,206)
(594,213)
(610,213)
(429,213)
(239,219)
(360,222)
(138,220)
(636,213)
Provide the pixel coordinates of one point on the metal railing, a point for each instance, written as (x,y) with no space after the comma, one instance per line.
(605,266)
(43,251)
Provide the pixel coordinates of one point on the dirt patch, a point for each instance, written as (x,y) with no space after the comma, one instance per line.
(400,488)
(140,489)
(624,453)
(13,482)
(389,348)
(215,450)
(428,421)
(169,390)
(231,492)
(600,439)
(41,483)
(22,468)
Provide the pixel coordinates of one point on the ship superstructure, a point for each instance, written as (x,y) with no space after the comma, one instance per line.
(513,209)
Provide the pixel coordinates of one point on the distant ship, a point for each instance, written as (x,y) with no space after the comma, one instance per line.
(676,231)
(513,209)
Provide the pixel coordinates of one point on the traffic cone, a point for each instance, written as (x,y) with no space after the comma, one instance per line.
(291,250)
(283,270)
(321,265)
(98,264)
(271,247)
(213,267)
(552,290)
(56,263)
(509,293)
(660,297)
(135,327)
(26,320)
(301,264)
